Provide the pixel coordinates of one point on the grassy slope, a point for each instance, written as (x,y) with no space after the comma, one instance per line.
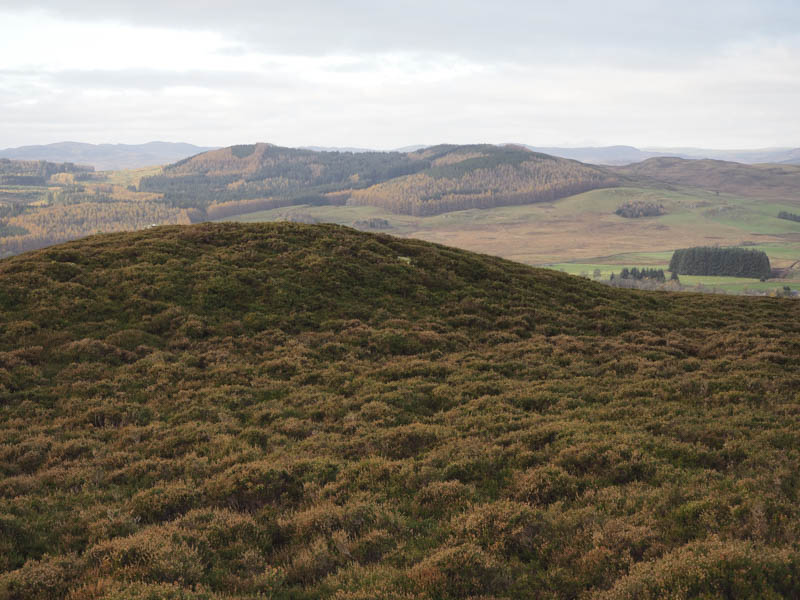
(762,181)
(583,228)
(218,411)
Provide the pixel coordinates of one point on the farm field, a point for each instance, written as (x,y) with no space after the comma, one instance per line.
(516,212)
(583,230)
(712,283)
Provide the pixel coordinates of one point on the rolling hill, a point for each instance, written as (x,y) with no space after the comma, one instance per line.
(106,157)
(781,182)
(224,411)
(625,155)
(433,180)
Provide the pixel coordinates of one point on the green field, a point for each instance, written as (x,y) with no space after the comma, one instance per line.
(581,233)
(711,283)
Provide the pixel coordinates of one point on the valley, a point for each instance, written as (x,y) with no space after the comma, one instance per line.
(506,201)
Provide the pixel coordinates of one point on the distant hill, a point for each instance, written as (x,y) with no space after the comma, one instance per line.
(758,156)
(768,181)
(433,180)
(625,155)
(105,157)
(337,149)
(482,176)
(604,155)
(228,412)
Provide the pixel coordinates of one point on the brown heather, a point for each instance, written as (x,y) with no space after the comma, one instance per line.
(287,411)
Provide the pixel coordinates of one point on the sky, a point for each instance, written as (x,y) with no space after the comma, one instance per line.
(376,74)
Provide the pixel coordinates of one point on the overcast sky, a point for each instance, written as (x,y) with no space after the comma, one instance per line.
(711,73)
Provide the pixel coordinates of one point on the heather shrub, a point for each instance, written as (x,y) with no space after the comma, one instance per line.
(150,591)
(545,485)
(460,571)
(314,561)
(164,502)
(249,486)
(713,569)
(373,546)
(47,578)
(441,498)
(149,555)
(504,527)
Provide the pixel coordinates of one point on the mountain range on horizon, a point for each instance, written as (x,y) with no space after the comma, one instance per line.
(619,155)
(625,155)
(105,157)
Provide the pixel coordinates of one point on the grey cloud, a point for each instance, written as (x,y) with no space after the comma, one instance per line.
(515,30)
(153,79)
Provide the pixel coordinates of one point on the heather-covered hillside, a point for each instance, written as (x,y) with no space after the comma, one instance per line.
(224,411)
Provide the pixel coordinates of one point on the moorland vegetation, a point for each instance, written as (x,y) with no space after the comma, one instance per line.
(224,411)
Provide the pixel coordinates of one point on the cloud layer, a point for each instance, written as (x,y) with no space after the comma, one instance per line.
(396,73)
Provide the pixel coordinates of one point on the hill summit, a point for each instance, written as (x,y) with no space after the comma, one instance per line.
(221,411)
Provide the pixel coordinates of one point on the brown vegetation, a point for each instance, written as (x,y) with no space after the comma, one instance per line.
(228,411)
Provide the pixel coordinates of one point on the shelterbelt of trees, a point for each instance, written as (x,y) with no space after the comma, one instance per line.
(224,411)
(712,260)
(431,181)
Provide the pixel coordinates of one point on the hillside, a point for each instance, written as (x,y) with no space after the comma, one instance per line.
(243,179)
(106,157)
(44,203)
(483,176)
(220,411)
(624,155)
(780,182)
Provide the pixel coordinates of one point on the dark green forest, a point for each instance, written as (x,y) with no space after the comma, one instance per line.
(641,274)
(289,411)
(281,176)
(711,260)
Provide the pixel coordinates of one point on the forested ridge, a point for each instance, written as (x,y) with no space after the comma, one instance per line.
(223,411)
(438,179)
(43,203)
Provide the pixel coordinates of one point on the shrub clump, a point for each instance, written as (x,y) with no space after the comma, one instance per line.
(638,209)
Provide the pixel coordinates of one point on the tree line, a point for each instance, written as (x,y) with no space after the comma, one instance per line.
(635,210)
(643,273)
(789,216)
(55,224)
(730,262)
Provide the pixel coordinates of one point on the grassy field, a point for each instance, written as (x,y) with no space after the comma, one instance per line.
(583,229)
(128,177)
(725,284)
